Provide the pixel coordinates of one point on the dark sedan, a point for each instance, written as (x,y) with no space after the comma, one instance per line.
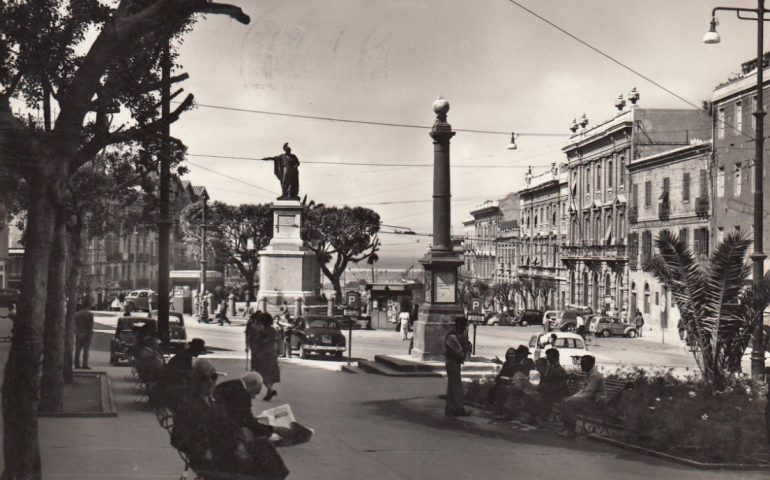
(318,334)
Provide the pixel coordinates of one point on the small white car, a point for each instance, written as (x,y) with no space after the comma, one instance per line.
(571,347)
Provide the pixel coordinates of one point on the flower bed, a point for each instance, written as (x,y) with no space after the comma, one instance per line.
(681,417)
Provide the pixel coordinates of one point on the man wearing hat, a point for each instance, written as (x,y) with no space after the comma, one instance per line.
(236,396)
(181,364)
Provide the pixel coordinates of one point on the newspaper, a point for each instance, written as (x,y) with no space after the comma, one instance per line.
(282,416)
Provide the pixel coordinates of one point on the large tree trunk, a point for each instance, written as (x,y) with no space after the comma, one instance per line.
(21,382)
(52,386)
(73,280)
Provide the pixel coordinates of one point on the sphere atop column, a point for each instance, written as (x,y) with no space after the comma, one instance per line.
(441,106)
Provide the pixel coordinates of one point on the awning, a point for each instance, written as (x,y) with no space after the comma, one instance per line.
(608,235)
(596,204)
(620,198)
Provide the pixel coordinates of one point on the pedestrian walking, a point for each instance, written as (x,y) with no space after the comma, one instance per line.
(222,314)
(456,350)
(253,327)
(404,318)
(84,332)
(231,302)
(266,355)
(639,322)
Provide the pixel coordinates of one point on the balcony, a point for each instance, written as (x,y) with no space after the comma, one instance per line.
(702,206)
(633,214)
(664,210)
(594,252)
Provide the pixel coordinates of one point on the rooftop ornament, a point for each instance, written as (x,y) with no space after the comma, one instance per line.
(633,96)
(620,103)
(512,145)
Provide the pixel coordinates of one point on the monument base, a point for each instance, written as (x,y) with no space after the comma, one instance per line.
(430,330)
(288,270)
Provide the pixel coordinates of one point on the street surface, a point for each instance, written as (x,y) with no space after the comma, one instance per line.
(228,341)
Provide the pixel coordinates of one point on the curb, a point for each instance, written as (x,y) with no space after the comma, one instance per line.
(679,460)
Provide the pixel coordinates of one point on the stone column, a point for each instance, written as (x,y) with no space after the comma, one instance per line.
(442,303)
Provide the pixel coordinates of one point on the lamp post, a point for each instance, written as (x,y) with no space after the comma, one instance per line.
(758,256)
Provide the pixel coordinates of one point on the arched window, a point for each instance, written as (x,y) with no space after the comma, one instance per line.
(607,285)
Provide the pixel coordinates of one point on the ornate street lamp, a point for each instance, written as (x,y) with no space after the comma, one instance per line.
(758,256)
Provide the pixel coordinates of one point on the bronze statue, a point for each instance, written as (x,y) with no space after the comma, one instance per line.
(285,169)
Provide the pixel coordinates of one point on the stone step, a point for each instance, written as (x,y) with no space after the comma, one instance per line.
(369,366)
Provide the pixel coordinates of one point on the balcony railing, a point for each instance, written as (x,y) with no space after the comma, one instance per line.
(594,252)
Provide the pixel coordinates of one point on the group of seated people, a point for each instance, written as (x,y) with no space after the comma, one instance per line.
(213,425)
(514,395)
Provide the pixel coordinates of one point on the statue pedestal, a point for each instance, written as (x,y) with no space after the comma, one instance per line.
(436,317)
(288,270)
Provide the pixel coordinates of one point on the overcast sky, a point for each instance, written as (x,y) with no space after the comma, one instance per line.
(501,68)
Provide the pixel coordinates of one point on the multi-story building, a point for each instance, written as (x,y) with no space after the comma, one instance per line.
(543,231)
(669,191)
(733,104)
(479,249)
(507,240)
(129,259)
(595,254)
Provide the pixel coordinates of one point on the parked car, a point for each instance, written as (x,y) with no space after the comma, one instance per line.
(128,333)
(566,321)
(503,319)
(528,317)
(605,326)
(176,330)
(318,334)
(549,317)
(571,347)
(9,297)
(142,300)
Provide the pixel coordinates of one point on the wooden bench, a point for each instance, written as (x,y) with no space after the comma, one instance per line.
(598,422)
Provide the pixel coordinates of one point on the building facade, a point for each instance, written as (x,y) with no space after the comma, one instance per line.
(543,231)
(733,104)
(669,191)
(597,157)
(479,245)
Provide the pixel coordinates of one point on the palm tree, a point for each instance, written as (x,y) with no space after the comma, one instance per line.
(717,301)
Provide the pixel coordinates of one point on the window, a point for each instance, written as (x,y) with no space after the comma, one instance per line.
(703,183)
(609,174)
(737,180)
(738,116)
(646,298)
(646,247)
(721,182)
(701,241)
(647,193)
(598,177)
(721,122)
(753,118)
(634,195)
(666,188)
(720,234)
(683,235)
(588,179)
(621,170)
(686,187)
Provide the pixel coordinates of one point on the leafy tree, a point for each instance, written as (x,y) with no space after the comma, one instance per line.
(87,56)
(502,293)
(227,238)
(717,301)
(340,235)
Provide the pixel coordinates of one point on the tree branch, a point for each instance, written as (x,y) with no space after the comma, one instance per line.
(93,147)
(224,9)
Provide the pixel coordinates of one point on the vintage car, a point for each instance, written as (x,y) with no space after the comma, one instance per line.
(128,334)
(566,320)
(528,317)
(318,334)
(602,325)
(176,330)
(9,297)
(503,319)
(571,347)
(142,300)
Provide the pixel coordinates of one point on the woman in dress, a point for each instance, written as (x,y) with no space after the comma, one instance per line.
(267,355)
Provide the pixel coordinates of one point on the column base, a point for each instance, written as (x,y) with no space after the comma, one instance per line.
(431,329)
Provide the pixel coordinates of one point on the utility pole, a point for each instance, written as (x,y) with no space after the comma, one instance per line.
(203,246)
(164,222)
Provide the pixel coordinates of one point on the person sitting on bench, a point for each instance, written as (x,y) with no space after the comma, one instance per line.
(213,441)
(179,367)
(553,381)
(236,397)
(523,396)
(149,362)
(591,397)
